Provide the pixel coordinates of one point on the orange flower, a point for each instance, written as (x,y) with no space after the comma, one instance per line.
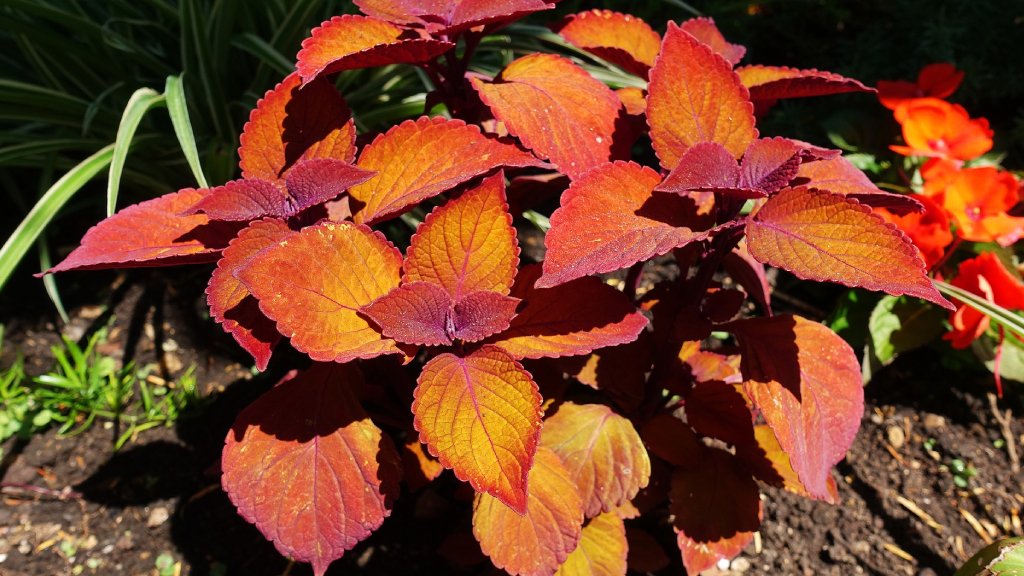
(936,128)
(933,81)
(929,230)
(978,199)
(987,277)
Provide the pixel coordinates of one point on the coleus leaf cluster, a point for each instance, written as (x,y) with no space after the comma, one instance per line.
(557,396)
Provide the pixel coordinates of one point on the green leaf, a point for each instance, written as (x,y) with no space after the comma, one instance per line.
(47,207)
(177,108)
(899,324)
(141,101)
(1004,558)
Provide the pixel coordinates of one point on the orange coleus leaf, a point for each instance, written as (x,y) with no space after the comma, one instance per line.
(451,16)
(350,41)
(152,233)
(929,230)
(602,453)
(602,549)
(839,176)
(537,539)
(231,304)
(934,81)
(777,82)
(480,415)
(987,277)
(314,283)
(621,39)
(694,96)
(419,467)
(307,183)
(805,380)
(978,200)
(704,29)
(423,314)
(822,236)
(556,109)
(769,463)
(292,123)
(567,320)
(419,159)
(611,219)
(305,464)
(936,128)
(467,245)
(716,507)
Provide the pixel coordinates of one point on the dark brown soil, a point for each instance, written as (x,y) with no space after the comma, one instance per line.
(91,510)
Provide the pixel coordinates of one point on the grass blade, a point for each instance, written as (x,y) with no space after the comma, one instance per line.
(49,282)
(1010,320)
(177,107)
(47,207)
(141,101)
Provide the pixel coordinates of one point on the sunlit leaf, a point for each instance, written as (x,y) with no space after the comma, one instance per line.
(349,42)
(602,549)
(556,109)
(776,82)
(839,176)
(230,302)
(537,540)
(314,283)
(621,39)
(822,236)
(306,465)
(705,30)
(448,17)
(602,453)
(480,415)
(419,159)
(694,96)
(570,319)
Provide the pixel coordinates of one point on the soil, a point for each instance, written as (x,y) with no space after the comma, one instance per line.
(76,506)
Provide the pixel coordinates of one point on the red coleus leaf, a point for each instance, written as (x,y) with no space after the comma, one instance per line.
(769,463)
(536,539)
(704,29)
(419,159)
(776,82)
(618,371)
(152,233)
(308,183)
(822,236)
(768,165)
(349,42)
(567,320)
(719,410)
(231,304)
(837,175)
(292,123)
(806,382)
(602,453)
(750,274)
(716,507)
(480,415)
(556,109)
(694,96)
(467,245)
(314,283)
(602,549)
(306,465)
(437,17)
(623,40)
(611,219)
(422,313)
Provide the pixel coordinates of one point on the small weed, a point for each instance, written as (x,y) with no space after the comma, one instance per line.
(962,472)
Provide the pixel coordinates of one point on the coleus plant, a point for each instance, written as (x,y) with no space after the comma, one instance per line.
(569,403)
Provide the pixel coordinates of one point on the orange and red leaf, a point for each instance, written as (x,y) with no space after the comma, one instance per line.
(306,465)
(538,539)
(556,109)
(694,96)
(452,16)
(480,415)
(602,453)
(769,83)
(622,39)
(822,236)
(231,303)
(349,42)
(419,159)
(705,30)
(839,176)
(314,283)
